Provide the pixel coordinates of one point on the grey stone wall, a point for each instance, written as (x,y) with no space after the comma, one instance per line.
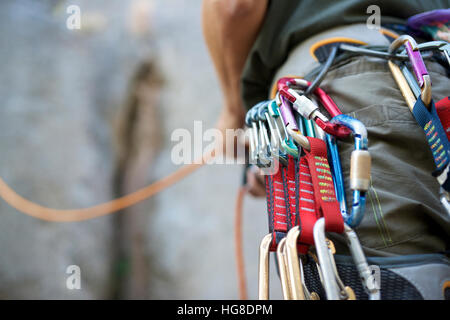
(87,115)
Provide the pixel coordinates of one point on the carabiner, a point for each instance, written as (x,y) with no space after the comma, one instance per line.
(306,107)
(282,266)
(403,84)
(326,262)
(260,152)
(263,276)
(360,165)
(373,53)
(338,179)
(417,63)
(368,280)
(442,46)
(294,276)
(265,149)
(297,285)
(276,137)
(254,137)
(288,122)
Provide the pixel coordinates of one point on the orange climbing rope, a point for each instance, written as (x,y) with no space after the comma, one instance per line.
(238,244)
(48,214)
(73,215)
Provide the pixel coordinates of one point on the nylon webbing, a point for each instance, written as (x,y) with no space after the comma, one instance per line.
(301,193)
(276,207)
(324,192)
(436,138)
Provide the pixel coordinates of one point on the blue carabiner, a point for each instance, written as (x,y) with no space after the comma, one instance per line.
(359,170)
(336,168)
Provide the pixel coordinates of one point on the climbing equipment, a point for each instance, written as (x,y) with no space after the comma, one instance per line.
(417,63)
(304,192)
(419,101)
(311,195)
(359,168)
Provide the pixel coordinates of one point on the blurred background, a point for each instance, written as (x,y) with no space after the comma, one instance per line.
(86,116)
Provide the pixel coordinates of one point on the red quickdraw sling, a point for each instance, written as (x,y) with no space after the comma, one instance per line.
(300,194)
(443,111)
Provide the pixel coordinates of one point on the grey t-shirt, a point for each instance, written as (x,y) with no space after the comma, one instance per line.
(289,22)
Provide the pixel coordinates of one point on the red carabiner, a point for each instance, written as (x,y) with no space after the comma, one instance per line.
(285,85)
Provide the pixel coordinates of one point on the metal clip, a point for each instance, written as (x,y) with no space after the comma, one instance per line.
(332,283)
(288,122)
(367,278)
(297,285)
(417,63)
(441,46)
(359,168)
(263,276)
(276,137)
(295,278)
(265,150)
(326,262)
(282,266)
(307,108)
(260,151)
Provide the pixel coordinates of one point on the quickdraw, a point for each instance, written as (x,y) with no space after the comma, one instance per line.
(303,192)
(313,185)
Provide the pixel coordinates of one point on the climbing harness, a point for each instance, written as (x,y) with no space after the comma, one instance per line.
(306,196)
(419,101)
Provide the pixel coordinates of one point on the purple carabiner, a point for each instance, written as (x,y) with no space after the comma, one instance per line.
(417,63)
(287,115)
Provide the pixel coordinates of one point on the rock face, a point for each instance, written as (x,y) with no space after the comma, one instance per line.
(87,115)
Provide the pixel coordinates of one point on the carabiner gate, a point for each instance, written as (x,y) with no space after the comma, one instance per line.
(417,63)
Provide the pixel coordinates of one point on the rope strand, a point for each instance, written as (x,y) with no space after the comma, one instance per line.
(74,215)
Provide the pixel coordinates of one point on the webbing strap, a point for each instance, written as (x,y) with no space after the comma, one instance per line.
(291,191)
(322,180)
(308,213)
(436,138)
(443,111)
(276,207)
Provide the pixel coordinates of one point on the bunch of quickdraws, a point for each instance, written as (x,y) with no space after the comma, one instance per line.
(296,145)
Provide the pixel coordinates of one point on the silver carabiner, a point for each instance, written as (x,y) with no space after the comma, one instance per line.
(325,261)
(367,278)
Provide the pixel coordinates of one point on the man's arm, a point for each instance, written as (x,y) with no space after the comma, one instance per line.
(230,28)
